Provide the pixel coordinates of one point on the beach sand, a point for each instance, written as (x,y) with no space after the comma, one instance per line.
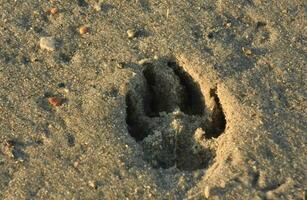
(153,99)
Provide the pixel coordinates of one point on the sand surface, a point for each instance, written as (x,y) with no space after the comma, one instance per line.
(199,100)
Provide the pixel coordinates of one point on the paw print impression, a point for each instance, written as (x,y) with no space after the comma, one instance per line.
(168,115)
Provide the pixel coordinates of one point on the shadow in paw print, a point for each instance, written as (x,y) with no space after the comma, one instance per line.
(171,88)
(218,125)
(167,115)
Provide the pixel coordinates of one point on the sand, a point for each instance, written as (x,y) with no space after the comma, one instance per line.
(155,100)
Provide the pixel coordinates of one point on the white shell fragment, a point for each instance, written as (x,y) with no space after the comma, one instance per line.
(47,43)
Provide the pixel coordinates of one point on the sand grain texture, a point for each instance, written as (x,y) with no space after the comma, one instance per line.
(217,111)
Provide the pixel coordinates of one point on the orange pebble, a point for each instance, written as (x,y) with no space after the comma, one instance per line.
(83,30)
(53,11)
(55,101)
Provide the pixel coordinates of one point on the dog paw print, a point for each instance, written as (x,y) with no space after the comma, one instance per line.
(169,117)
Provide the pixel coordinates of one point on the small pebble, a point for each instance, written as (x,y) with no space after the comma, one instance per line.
(131,33)
(61,85)
(47,43)
(228,24)
(246,51)
(92,184)
(83,30)
(55,101)
(76,164)
(145,61)
(53,11)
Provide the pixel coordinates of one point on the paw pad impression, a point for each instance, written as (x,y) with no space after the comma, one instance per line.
(168,115)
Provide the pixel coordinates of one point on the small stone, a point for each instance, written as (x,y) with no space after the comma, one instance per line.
(228,25)
(246,51)
(47,43)
(61,85)
(270,195)
(92,184)
(83,30)
(145,61)
(55,101)
(53,11)
(76,164)
(131,33)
